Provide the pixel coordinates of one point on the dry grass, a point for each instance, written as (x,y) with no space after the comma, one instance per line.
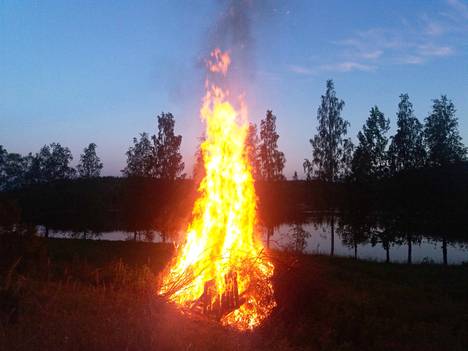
(84,295)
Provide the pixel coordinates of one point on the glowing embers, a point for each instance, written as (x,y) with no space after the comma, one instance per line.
(220,270)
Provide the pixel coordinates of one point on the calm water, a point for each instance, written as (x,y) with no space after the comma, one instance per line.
(317,239)
(428,250)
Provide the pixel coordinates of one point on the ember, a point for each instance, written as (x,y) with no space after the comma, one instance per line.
(221,270)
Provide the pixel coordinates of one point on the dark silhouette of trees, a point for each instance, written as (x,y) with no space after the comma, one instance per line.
(370,157)
(406,149)
(12,169)
(271,159)
(331,154)
(441,134)
(199,165)
(168,159)
(252,149)
(90,164)
(331,151)
(158,156)
(298,238)
(295,176)
(52,162)
(140,158)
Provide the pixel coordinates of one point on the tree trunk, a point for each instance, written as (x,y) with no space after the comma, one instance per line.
(355,250)
(409,249)
(46,232)
(444,249)
(332,227)
(134,235)
(387,253)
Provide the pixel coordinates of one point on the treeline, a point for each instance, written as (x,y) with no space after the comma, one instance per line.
(436,142)
(51,163)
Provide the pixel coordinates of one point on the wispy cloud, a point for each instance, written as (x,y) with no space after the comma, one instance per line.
(301,70)
(413,42)
(435,50)
(416,40)
(411,60)
(460,7)
(347,66)
(372,55)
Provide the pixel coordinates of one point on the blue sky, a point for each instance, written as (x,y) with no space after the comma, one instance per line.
(100,71)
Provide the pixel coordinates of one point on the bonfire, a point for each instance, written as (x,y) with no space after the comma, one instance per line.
(221,270)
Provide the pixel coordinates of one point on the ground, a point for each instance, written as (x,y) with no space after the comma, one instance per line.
(62,294)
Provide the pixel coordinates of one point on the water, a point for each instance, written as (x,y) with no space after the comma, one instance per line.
(319,242)
(316,239)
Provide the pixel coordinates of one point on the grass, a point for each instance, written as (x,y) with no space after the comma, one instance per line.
(62,294)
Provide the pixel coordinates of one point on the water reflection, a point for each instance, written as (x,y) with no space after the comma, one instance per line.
(360,236)
(369,240)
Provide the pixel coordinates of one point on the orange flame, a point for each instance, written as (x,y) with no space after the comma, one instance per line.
(221,269)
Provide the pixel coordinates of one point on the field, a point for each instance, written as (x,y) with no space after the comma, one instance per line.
(63,294)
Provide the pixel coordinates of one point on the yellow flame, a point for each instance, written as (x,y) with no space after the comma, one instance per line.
(221,269)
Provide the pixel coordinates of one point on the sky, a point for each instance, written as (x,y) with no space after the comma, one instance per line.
(77,72)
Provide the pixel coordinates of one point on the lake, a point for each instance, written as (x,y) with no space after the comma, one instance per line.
(315,236)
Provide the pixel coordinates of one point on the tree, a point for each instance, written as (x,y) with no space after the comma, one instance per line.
(331,151)
(253,150)
(57,162)
(12,169)
(3,163)
(167,149)
(295,176)
(370,157)
(140,158)
(406,149)
(298,238)
(90,164)
(52,162)
(199,166)
(441,134)
(271,159)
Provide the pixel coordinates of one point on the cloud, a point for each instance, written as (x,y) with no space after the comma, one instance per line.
(434,50)
(417,39)
(412,42)
(372,55)
(460,7)
(411,60)
(301,70)
(347,66)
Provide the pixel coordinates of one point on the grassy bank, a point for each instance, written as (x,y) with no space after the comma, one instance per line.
(61,294)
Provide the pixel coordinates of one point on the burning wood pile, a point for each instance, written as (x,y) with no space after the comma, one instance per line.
(220,271)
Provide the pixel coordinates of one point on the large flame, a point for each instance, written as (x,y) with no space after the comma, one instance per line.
(221,269)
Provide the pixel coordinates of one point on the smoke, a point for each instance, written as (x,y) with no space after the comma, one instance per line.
(232,31)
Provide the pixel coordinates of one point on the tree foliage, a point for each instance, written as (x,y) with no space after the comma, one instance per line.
(140,158)
(168,159)
(406,149)
(370,157)
(252,149)
(90,164)
(52,162)
(12,169)
(158,156)
(331,154)
(271,159)
(298,238)
(199,165)
(441,133)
